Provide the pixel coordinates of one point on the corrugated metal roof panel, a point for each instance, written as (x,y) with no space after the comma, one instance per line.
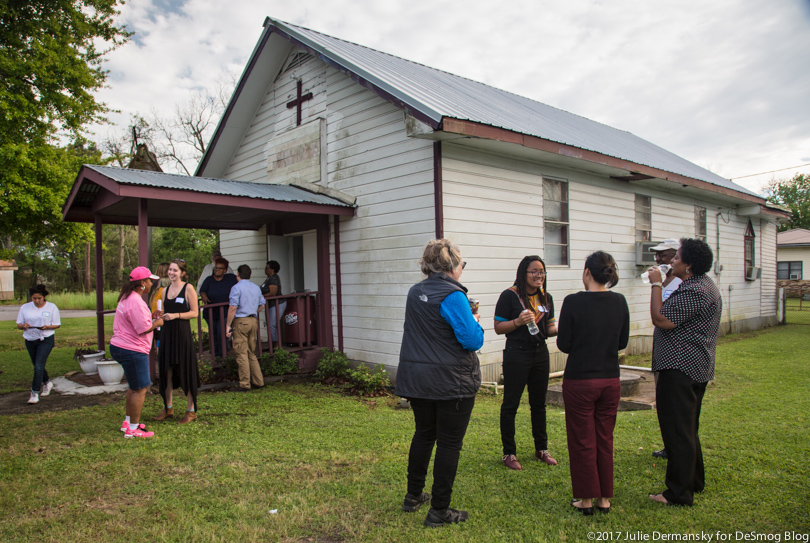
(265,191)
(795,236)
(438,94)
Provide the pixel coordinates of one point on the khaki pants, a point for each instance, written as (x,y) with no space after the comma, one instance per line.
(244,344)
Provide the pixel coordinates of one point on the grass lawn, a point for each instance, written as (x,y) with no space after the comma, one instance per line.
(332,467)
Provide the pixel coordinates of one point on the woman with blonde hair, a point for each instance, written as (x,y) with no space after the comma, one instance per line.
(440,375)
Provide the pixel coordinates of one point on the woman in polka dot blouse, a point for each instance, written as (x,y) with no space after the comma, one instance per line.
(684,344)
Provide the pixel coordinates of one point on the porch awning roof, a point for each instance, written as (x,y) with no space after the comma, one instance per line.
(180,201)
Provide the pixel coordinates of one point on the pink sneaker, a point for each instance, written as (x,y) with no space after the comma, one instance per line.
(125,426)
(138,432)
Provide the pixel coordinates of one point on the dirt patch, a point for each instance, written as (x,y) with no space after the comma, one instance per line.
(15,403)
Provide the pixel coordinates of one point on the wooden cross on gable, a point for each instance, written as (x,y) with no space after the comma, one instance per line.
(298,102)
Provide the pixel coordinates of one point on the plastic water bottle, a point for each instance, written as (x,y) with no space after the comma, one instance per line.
(533,329)
(645,277)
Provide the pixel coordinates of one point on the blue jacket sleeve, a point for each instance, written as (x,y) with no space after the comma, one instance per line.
(455,309)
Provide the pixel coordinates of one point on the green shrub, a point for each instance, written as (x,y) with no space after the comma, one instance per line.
(281,363)
(368,383)
(205,340)
(332,364)
(229,367)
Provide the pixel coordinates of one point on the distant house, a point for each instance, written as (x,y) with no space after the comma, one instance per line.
(793,260)
(7,269)
(380,155)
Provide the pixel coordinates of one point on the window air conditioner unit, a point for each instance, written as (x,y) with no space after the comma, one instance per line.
(645,257)
(794,276)
(752,273)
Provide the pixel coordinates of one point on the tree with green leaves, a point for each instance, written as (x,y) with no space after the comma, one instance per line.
(51,53)
(793,194)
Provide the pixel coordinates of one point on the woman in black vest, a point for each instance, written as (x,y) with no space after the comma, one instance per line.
(439,374)
(525,358)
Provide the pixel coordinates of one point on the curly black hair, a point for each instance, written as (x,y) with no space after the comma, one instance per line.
(697,255)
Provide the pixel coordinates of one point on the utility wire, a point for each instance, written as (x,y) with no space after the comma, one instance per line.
(772,171)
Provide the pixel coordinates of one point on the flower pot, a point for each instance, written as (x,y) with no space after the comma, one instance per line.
(88,362)
(110,371)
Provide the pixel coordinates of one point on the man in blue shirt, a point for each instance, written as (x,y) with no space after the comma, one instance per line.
(245,302)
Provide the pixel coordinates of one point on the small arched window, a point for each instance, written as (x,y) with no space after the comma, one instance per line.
(750,262)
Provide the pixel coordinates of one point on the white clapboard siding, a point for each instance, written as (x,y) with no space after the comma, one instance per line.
(602,217)
(245,247)
(767,260)
(371,157)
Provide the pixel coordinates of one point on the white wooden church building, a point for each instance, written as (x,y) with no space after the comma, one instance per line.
(420,153)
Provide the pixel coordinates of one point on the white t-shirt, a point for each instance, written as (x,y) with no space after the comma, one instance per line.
(46,315)
(667,291)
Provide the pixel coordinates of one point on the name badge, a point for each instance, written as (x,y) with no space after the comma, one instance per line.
(179,300)
(542,309)
(46,314)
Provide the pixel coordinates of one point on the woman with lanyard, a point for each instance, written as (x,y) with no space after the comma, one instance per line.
(38,319)
(177,361)
(525,313)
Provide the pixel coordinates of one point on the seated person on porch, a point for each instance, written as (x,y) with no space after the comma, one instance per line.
(215,290)
(272,287)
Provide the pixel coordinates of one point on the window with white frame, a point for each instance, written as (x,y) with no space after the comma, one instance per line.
(700,223)
(643,218)
(555,222)
(789,270)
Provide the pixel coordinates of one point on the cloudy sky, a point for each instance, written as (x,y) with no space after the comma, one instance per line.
(723,83)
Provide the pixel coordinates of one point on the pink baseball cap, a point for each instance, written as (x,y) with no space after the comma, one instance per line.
(142,272)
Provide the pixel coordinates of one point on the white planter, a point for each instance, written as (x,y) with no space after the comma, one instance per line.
(110,371)
(88,362)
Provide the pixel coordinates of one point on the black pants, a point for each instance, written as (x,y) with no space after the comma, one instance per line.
(443,422)
(678,401)
(524,365)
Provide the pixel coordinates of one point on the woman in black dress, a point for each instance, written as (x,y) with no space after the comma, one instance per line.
(177,362)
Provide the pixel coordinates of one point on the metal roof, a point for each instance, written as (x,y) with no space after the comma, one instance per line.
(434,94)
(796,236)
(225,187)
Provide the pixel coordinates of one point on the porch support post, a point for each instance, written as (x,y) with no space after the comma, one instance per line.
(325,335)
(99,284)
(438,195)
(143,234)
(338,285)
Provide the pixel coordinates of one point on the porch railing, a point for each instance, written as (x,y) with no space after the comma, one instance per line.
(306,311)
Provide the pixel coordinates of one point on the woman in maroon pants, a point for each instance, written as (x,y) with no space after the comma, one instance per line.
(594,325)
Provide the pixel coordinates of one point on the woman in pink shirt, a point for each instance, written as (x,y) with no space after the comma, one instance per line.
(130,345)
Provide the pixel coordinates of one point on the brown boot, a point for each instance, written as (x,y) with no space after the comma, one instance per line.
(189,416)
(165,414)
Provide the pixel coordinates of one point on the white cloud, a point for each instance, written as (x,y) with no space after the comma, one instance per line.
(723,83)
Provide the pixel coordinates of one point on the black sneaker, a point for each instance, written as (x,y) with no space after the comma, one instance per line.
(412,503)
(436,518)
(660,454)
